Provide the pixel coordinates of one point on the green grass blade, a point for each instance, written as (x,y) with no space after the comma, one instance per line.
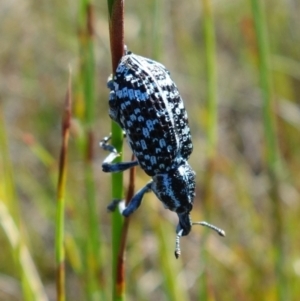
(272,155)
(118,288)
(271,146)
(211,130)
(210,59)
(9,220)
(94,287)
(34,289)
(60,211)
(211,104)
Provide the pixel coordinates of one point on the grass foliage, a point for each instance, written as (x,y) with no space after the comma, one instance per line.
(236,64)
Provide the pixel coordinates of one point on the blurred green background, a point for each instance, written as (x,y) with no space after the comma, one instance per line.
(256,202)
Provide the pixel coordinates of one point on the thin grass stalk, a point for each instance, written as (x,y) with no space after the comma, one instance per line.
(272,155)
(169,266)
(116,33)
(211,101)
(157,9)
(31,283)
(211,130)
(7,187)
(60,211)
(33,288)
(95,288)
(116,30)
(120,273)
(271,144)
(211,63)
(166,265)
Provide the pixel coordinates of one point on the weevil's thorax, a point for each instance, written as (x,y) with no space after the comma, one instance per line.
(176,189)
(146,103)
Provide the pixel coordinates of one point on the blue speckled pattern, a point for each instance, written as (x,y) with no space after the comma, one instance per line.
(146,103)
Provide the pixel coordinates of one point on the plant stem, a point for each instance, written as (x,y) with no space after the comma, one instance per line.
(211,129)
(11,224)
(210,57)
(212,112)
(93,247)
(59,246)
(116,33)
(271,146)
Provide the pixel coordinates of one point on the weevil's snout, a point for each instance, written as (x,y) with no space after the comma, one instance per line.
(183,228)
(185,224)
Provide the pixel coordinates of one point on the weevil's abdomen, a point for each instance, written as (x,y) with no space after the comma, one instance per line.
(146,103)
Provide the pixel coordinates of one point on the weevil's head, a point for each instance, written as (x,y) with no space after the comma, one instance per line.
(176,190)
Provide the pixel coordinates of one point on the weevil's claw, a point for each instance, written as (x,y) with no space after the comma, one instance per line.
(113,205)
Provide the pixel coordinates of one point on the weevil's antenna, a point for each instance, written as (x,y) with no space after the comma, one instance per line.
(205,224)
(177,244)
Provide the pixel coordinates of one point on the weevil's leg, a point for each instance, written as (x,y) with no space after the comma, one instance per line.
(115,167)
(107,166)
(136,201)
(104,144)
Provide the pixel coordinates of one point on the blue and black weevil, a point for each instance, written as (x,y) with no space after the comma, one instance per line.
(145,102)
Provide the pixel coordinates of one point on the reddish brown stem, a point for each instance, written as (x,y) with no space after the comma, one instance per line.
(116,30)
(121,256)
(60,251)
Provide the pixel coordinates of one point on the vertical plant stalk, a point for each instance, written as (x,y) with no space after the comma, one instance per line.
(211,129)
(271,144)
(116,30)
(119,230)
(32,283)
(93,250)
(120,272)
(59,241)
(156,43)
(212,112)
(11,224)
(174,289)
(272,155)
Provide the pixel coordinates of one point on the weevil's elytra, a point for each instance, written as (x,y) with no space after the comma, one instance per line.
(146,103)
